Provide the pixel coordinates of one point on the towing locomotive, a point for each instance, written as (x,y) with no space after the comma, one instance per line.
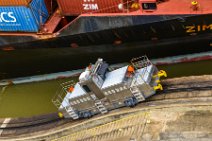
(102,88)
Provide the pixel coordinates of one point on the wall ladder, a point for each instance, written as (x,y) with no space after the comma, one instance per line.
(72,113)
(137,93)
(101,107)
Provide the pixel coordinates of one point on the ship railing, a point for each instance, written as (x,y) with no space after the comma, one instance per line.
(62,91)
(141,63)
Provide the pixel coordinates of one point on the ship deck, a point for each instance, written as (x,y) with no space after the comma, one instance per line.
(169,7)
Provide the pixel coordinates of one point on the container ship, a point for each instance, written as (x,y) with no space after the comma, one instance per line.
(43,36)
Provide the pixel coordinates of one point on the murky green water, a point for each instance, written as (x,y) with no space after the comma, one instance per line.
(31,99)
(24,100)
(188,69)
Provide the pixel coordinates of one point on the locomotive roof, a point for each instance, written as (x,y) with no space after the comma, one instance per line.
(144,73)
(65,103)
(114,77)
(78,91)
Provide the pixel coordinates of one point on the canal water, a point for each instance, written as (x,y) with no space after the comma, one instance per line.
(30,99)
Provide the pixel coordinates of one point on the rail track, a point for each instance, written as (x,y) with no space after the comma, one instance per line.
(22,126)
(194,86)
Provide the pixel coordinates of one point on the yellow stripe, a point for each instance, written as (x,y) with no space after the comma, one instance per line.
(94,131)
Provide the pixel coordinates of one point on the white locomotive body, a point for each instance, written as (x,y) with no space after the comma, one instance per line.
(101,89)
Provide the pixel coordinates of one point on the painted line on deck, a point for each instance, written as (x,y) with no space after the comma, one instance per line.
(4,124)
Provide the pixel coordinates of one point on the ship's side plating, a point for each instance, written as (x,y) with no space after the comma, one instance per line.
(100,90)
(99,30)
(108,29)
(157,36)
(104,35)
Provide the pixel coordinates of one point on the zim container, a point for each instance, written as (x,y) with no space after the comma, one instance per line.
(23,18)
(76,7)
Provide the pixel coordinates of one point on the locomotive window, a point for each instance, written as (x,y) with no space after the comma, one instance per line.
(149,6)
(88,98)
(121,89)
(93,96)
(117,90)
(85,87)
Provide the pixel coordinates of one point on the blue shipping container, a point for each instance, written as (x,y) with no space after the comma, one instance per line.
(23,19)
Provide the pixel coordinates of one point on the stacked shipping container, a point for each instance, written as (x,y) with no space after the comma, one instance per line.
(76,7)
(14,2)
(22,15)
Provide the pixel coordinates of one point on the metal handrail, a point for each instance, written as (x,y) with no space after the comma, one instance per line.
(62,92)
(141,62)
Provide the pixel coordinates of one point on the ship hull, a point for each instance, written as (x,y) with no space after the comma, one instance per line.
(117,39)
